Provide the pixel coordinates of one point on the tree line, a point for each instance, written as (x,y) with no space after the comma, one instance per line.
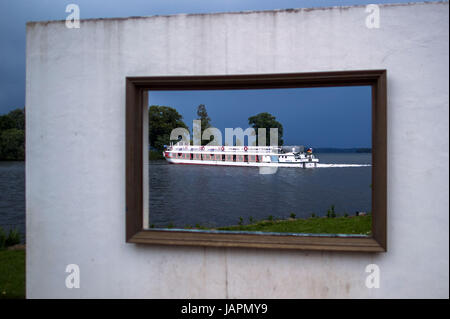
(163,119)
(12,136)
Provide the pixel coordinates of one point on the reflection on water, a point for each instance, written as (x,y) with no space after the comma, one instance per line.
(186,195)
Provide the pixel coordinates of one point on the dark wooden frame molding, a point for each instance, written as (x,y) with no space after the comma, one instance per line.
(136,102)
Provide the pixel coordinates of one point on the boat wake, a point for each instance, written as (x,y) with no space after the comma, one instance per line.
(342,165)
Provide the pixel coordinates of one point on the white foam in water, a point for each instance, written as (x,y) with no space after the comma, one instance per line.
(267,170)
(342,165)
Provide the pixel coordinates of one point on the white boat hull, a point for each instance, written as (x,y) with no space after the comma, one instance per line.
(243,164)
(244,156)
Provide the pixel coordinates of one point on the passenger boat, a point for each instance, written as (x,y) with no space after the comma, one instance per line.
(271,156)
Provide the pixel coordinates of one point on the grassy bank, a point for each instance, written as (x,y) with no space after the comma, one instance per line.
(314,225)
(155,155)
(12,274)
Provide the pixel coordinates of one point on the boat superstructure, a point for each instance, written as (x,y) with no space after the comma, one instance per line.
(183,153)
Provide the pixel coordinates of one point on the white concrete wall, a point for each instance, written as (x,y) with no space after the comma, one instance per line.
(75,182)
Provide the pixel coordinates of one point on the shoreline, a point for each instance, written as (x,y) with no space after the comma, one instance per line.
(351,225)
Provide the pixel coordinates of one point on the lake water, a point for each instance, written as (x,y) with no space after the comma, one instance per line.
(184,195)
(12,196)
(187,195)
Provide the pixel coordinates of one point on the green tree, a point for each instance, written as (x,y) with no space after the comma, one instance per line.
(204,119)
(6,123)
(12,144)
(162,120)
(12,135)
(18,118)
(267,121)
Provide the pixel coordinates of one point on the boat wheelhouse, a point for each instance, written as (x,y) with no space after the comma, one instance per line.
(270,156)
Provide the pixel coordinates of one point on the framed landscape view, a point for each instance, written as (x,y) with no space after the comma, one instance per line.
(289,161)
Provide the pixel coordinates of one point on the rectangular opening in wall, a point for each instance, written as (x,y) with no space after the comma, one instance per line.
(313,176)
(292,161)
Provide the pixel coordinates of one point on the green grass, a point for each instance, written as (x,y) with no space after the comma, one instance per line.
(12,274)
(338,225)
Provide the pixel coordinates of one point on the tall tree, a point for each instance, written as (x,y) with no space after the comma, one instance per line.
(204,119)
(267,121)
(162,120)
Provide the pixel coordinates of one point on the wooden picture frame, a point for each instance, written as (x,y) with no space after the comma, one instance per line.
(136,102)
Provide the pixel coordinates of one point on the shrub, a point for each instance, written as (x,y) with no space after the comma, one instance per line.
(2,238)
(251,219)
(313,215)
(13,238)
(293,215)
(330,212)
(241,220)
(270,217)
